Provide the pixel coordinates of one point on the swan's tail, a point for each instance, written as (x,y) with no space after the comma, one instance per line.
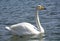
(8,28)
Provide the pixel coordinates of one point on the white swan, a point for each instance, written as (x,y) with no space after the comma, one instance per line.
(25,28)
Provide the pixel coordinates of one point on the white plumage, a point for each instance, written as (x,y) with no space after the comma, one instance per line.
(25,28)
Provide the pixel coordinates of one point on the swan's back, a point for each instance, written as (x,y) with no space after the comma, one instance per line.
(23,29)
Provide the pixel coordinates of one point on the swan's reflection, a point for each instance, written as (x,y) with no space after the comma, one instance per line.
(17,38)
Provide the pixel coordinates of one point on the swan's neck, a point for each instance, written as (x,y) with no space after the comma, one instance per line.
(38,23)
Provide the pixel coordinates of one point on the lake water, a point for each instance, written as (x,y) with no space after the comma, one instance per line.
(16,11)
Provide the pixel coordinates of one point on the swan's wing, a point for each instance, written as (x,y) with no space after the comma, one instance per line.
(23,29)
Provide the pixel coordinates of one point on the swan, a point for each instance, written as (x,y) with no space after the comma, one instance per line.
(25,28)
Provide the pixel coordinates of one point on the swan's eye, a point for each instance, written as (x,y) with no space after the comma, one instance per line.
(40,7)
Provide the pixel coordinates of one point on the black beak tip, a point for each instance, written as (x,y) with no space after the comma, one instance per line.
(44,8)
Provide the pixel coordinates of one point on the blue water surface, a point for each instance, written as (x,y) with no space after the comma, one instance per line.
(16,11)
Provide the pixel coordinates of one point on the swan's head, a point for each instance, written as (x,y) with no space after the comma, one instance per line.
(40,7)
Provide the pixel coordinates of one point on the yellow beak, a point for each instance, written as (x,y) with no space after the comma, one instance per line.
(40,7)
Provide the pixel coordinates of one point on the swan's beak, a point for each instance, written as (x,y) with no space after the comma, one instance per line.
(40,7)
